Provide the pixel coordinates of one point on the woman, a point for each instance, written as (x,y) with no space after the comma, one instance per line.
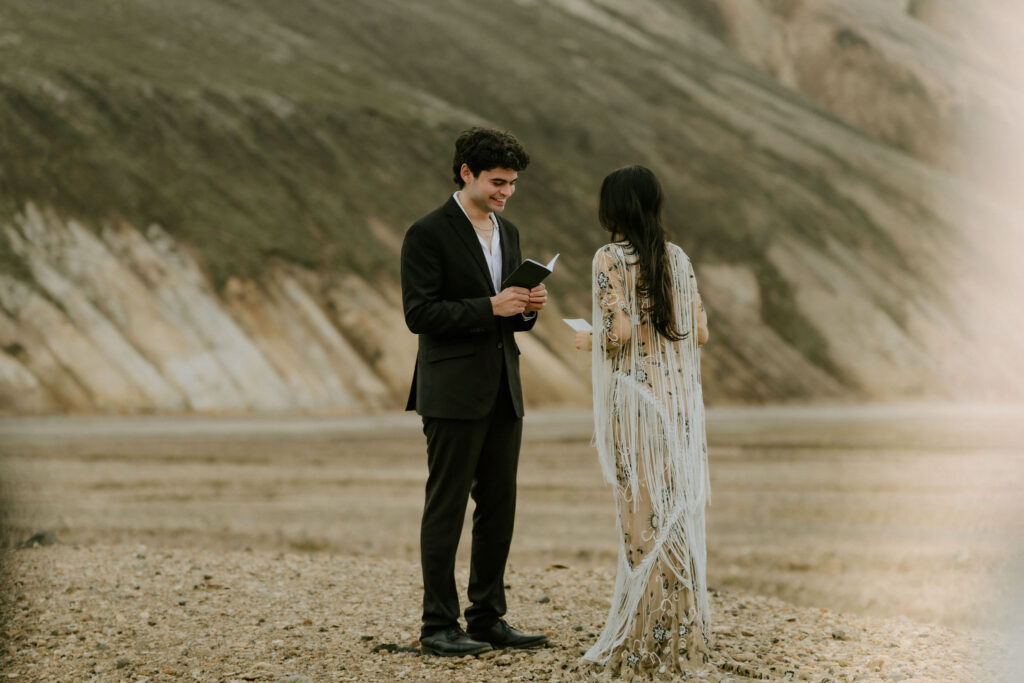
(649,417)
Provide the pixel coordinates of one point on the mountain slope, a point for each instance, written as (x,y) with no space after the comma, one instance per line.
(835,232)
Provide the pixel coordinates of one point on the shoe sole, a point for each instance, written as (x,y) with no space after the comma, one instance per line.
(528,646)
(441,653)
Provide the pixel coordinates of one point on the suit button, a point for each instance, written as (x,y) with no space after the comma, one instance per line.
(500,345)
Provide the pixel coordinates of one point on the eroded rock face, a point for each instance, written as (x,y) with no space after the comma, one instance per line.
(127,322)
(123,321)
(919,75)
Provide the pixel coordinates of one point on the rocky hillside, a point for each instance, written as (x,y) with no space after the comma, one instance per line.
(201,203)
(122,320)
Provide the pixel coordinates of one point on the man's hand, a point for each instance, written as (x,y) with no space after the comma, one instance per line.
(584,340)
(538,297)
(510,301)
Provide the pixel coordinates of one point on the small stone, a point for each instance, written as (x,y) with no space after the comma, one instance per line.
(577,628)
(40,538)
(122,662)
(839,635)
(393,648)
(543,599)
(295,678)
(365,638)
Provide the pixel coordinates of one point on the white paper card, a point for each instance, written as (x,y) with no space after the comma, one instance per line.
(578,324)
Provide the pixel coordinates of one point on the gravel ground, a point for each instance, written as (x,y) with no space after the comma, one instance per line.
(135,613)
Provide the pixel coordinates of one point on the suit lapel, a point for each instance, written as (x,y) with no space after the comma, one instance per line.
(464,229)
(507,264)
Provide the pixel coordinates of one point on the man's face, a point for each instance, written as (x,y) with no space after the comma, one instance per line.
(489,191)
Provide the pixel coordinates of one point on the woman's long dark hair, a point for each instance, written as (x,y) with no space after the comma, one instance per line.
(631,208)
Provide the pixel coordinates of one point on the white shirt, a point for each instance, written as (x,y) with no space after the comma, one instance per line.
(492,255)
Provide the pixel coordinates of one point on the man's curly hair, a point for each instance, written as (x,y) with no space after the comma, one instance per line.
(485,148)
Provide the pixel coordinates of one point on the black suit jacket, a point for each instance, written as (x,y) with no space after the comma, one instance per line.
(446,291)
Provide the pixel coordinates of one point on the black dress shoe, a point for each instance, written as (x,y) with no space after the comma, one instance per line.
(451,642)
(502,635)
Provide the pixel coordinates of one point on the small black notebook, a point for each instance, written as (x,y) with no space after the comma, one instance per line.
(529,274)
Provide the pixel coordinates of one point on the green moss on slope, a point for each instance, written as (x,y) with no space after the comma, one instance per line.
(259,131)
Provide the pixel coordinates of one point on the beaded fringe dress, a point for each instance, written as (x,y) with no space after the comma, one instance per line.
(651,442)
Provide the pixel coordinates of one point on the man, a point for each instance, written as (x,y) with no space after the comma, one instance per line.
(466,388)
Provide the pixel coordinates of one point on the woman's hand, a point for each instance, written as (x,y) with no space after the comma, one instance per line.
(584,340)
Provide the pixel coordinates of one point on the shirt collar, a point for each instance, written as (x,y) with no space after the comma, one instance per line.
(494,219)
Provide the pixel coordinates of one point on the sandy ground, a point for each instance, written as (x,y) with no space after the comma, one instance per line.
(880,515)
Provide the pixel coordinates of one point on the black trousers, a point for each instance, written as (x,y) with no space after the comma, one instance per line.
(478,458)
